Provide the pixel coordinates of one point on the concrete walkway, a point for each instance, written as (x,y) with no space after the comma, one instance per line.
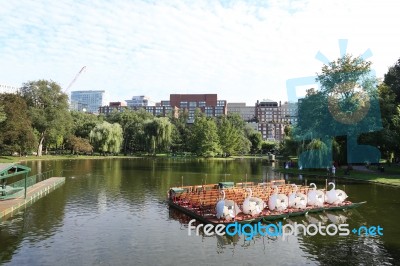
(35,192)
(362,168)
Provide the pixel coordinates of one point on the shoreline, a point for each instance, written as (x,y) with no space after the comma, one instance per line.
(356,175)
(18,159)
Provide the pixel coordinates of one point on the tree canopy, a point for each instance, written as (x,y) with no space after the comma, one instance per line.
(346,104)
(17,133)
(48,110)
(106,137)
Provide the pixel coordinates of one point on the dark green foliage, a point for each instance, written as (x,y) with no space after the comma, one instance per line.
(16,133)
(79,145)
(204,137)
(48,110)
(392,80)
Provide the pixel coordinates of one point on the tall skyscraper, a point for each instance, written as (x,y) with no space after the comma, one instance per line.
(89,101)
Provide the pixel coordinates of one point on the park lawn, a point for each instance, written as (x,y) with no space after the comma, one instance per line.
(390,176)
(18,159)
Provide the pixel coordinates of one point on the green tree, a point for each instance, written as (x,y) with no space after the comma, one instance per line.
(204,136)
(107,138)
(3,115)
(181,132)
(78,145)
(132,123)
(392,80)
(83,123)
(231,137)
(346,105)
(387,138)
(17,133)
(158,131)
(237,121)
(48,109)
(269,146)
(255,139)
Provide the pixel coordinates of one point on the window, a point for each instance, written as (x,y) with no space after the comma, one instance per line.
(221,103)
(202,104)
(209,111)
(183,105)
(192,104)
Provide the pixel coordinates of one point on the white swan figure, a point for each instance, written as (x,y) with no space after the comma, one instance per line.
(272,199)
(253,205)
(300,202)
(331,196)
(320,198)
(312,194)
(297,200)
(341,195)
(226,209)
(277,201)
(282,202)
(292,196)
(315,197)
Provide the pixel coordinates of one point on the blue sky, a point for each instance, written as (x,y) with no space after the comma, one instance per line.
(242,50)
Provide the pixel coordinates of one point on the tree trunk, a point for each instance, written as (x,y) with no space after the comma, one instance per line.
(40,146)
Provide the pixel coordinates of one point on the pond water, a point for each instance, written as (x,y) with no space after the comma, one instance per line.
(113,212)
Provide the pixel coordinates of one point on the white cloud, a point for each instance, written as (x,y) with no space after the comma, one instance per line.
(243,51)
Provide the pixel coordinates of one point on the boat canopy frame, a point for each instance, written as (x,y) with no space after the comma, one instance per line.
(8,170)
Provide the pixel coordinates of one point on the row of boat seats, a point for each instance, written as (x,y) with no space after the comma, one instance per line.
(237,194)
(204,188)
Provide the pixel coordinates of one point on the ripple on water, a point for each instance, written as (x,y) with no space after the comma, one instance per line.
(112,213)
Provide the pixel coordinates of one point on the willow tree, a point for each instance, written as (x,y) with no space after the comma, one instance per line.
(132,123)
(158,132)
(106,137)
(48,110)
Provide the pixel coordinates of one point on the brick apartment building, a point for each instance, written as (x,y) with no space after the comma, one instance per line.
(206,103)
(273,117)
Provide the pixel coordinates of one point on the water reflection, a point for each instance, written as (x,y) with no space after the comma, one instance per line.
(325,249)
(112,211)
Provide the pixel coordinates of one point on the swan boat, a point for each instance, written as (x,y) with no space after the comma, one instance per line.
(248,202)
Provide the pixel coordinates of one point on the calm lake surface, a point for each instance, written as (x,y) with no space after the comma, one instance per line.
(113,212)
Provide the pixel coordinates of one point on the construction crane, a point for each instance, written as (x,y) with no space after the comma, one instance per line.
(76,77)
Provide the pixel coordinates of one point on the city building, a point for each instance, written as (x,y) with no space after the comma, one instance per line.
(157,110)
(160,110)
(138,101)
(78,106)
(206,103)
(247,113)
(8,89)
(89,100)
(273,117)
(113,106)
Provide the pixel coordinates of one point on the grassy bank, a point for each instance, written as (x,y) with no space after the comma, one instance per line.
(391,176)
(18,159)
